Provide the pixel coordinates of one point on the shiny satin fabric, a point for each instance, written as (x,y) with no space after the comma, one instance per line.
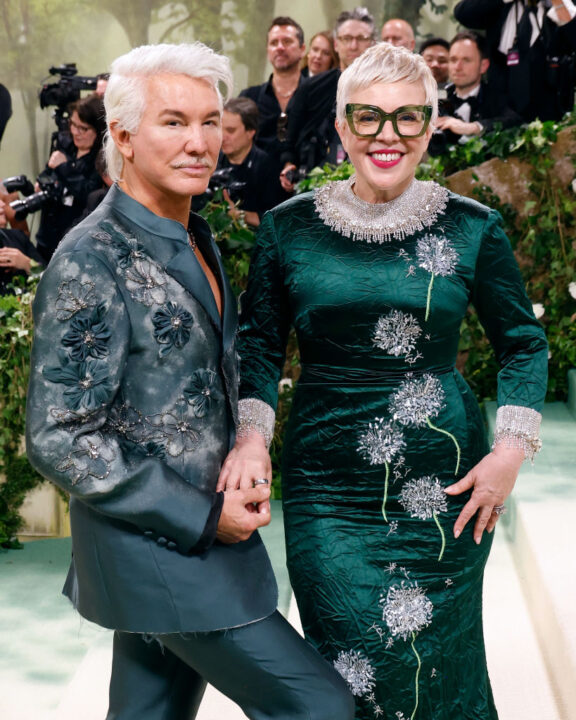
(381,422)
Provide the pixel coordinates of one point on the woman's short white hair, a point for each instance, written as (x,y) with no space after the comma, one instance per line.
(125,97)
(385,63)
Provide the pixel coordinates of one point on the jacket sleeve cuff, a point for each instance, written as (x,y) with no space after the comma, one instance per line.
(208,536)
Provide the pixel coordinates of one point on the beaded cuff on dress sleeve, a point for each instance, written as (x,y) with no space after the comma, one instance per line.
(518,427)
(255,415)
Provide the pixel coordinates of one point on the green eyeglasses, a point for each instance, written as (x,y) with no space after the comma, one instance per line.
(407,121)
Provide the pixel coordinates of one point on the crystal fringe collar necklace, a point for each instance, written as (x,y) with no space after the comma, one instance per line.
(417,208)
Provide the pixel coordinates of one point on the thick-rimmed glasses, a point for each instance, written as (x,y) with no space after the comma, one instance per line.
(407,121)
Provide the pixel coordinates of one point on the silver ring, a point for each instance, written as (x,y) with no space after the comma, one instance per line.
(499,509)
(261,481)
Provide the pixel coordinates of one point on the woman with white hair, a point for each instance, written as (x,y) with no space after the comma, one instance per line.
(388,482)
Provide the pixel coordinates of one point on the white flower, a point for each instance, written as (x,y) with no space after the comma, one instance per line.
(424,497)
(396,333)
(572,286)
(381,443)
(407,610)
(573,185)
(357,670)
(538,310)
(285,384)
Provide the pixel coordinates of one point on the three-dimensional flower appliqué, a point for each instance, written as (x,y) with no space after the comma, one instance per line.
(357,670)
(397,333)
(203,391)
(126,248)
(416,401)
(145,282)
(425,498)
(88,335)
(74,296)
(87,383)
(172,325)
(91,458)
(437,256)
(381,443)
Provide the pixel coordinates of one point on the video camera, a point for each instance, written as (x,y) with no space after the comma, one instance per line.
(223,179)
(61,94)
(51,189)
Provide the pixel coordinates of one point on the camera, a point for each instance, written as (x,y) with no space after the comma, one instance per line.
(18,183)
(61,94)
(51,189)
(295,175)
(223,179)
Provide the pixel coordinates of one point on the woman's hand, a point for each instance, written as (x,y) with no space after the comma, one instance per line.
(491,481)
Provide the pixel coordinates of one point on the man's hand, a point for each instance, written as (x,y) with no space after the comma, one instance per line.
(243,512)
(457,126)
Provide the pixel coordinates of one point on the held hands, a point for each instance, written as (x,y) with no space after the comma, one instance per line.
(245,507)
(243,512)
(491,481)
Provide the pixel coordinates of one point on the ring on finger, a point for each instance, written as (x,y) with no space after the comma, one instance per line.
(499,509)
(261,481)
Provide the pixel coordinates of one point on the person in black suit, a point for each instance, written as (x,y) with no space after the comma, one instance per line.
(312,139)
(531,46)
(471,107)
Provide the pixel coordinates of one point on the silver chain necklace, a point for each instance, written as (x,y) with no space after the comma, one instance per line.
(417,208)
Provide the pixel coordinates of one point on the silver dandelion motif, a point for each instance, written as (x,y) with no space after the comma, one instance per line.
(380,444)
(397,333)
(424,498)
(407,610)
(357,670)
(417,400)
(435,255)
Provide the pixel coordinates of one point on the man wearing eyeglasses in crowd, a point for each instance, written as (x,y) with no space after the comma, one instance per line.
(285,49)
(311,138)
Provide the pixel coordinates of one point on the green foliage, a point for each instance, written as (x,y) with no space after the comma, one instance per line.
(19,476)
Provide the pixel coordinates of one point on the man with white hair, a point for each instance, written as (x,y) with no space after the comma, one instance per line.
(132,409)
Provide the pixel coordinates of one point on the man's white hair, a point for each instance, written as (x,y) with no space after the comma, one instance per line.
(385,63)
(125,97)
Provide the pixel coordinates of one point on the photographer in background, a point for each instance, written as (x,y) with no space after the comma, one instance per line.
(71,176)
(17,254)
(471,107)
(248,166)
(532,50)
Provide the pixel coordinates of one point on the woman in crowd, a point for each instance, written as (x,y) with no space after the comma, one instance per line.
(388,483)
(321,56)
(73,176)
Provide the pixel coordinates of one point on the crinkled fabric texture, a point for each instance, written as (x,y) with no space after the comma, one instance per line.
(379,409)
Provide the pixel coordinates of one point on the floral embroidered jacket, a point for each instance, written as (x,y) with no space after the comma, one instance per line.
(132,409)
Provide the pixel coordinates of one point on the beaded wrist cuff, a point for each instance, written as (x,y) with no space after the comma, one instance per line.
(518,427)
(256,415)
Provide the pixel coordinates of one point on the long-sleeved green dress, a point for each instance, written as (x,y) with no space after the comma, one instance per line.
(381,422)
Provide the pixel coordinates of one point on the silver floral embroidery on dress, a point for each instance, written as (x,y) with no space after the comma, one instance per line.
(438,257)
(407,610)
(91,458)
(357,670)
(74,296)
(381,443)
(416,209)
(397,333)
(424,498)
(416,401)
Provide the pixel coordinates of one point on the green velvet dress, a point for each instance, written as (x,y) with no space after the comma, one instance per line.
(381,422)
